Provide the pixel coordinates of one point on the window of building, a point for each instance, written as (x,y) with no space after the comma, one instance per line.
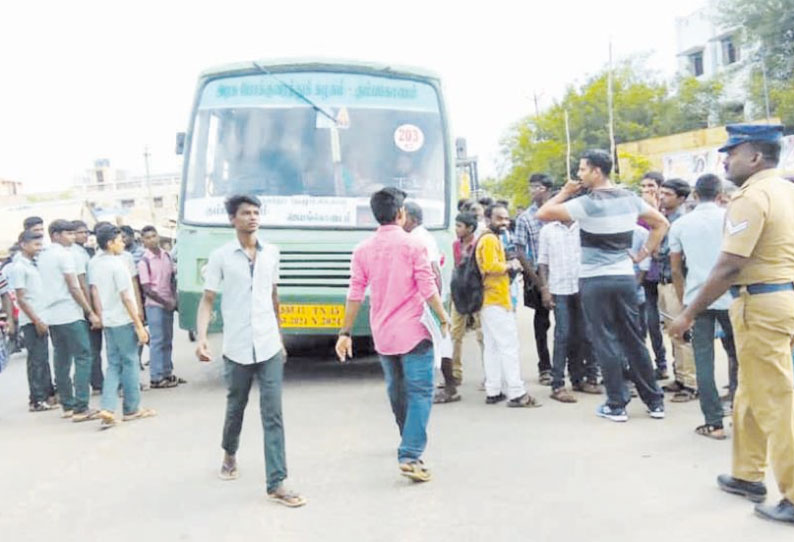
(730,53)
(696,63)
(158,202)
(127,203)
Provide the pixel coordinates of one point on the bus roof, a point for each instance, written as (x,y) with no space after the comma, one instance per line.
(310,63)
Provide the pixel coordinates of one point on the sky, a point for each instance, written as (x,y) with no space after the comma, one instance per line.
(84,80)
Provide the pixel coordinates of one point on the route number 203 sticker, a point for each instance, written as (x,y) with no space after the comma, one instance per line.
(409,138)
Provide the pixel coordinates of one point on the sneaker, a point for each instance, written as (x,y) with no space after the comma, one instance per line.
(661,374)
(545,378)
(40,406)
(614,414)
(493,399)
(657,412)
(67,414)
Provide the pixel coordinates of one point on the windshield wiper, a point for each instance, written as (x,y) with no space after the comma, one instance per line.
(297,93)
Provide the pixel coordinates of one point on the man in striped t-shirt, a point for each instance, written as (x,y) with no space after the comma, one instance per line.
(606,216)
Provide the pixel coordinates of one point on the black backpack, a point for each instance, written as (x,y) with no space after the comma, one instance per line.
(466,286)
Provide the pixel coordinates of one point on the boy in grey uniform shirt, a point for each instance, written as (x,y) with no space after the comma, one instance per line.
(64,310)
(112,293)
(27,284)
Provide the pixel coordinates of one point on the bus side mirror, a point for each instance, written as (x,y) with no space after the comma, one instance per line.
(180,143)
(460,148)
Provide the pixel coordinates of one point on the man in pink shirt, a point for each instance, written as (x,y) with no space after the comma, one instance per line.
(395,267)
(156,273)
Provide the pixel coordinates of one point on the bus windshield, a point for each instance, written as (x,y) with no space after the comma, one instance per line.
(253,134)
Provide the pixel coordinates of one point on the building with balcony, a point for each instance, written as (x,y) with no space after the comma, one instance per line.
(707,49)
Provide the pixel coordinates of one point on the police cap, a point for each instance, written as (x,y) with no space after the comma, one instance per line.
(745,133)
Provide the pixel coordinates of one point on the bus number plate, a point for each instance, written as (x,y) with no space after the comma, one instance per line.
(312,316)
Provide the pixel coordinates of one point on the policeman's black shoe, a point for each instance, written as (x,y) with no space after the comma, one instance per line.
(753,491)
(783,511)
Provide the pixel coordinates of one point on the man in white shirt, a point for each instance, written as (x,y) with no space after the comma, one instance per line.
(30,296)
(414,218)
(65,307)
(559,259)
(245,272)
(112,294)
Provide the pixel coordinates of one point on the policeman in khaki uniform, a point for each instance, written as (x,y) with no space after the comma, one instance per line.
(757,265)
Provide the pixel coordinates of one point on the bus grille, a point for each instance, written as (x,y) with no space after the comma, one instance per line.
(314,269)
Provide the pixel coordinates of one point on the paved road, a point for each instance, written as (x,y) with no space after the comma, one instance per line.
(554,473)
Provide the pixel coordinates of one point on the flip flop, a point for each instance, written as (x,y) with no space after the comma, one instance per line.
(88,415)
(416,471)
(228,473)
(140,414)
(107,420)
(288,498)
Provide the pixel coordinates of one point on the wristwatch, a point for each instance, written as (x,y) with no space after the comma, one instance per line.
(344,333)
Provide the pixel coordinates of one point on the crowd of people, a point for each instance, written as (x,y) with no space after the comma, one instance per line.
(615,267)
(606,261)
(79,289)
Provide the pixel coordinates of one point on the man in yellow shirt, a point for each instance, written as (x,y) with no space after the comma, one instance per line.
(500,332)
(757,264)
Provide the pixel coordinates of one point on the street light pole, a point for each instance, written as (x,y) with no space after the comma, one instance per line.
(766,87)
(146,155)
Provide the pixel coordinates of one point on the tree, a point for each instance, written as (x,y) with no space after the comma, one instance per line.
(643,107)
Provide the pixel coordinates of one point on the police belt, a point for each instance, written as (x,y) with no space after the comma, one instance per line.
(761,288)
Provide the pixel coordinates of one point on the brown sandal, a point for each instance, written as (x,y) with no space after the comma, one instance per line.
(444,396)
(684,396)
(524,401)
(562,395)
(711,431)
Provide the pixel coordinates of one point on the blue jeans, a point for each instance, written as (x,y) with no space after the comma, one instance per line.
(703,346)
(409,384)
(122,351)
(269,375)
(570,343)
(161,332)
(71,344)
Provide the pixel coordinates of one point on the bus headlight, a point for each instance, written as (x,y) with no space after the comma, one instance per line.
(201,270)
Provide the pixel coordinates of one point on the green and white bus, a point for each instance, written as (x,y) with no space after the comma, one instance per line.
(313,140)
